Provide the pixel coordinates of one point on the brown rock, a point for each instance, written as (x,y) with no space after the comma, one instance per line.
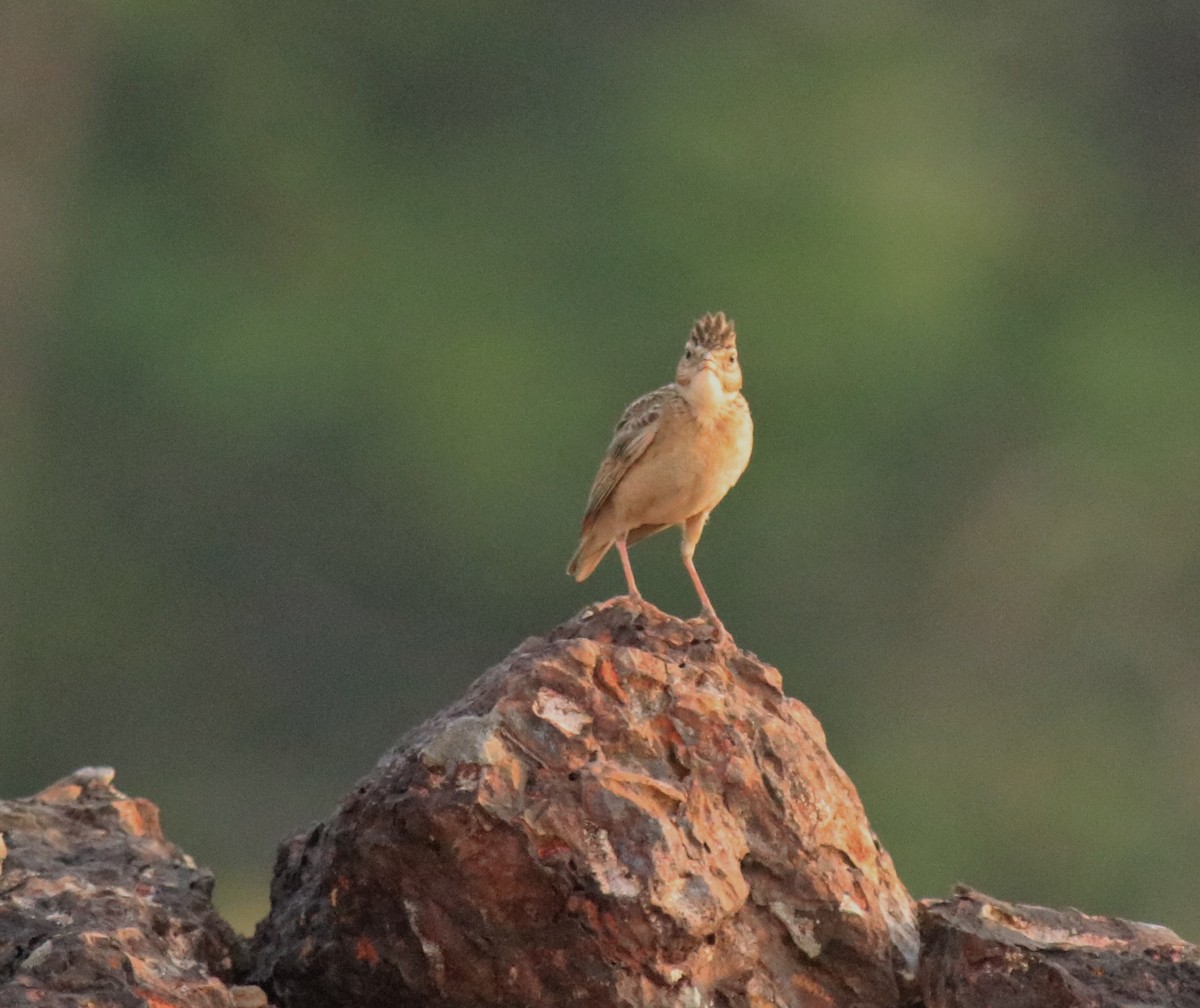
(979,952)
(248,997)
(621,813)
(97,908)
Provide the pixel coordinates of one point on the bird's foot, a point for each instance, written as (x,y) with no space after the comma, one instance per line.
(709,618)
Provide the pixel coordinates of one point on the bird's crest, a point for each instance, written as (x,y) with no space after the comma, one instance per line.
(713,332)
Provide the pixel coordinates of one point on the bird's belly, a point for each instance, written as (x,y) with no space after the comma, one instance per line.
(683,477)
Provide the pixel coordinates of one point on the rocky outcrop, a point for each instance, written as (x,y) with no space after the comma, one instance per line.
(97,908)
(980,952)
(621,813)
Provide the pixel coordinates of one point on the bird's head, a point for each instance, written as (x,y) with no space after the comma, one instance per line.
(711,347)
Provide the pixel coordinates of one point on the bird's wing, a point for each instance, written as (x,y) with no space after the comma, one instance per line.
(635,431)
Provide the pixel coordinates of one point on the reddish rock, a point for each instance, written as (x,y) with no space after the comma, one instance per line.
(97,908)
(622,813)
(979,952)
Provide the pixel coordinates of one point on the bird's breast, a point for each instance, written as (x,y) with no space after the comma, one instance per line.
(726,441)
(693,462)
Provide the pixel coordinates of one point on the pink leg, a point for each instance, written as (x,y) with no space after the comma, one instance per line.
(691,535)
(624,551)
(691,569)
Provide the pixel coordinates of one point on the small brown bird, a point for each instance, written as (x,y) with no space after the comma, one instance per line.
(675,453)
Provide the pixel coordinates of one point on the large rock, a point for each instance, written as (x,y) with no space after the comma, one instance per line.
(981,952)
(98,909)
(621,813)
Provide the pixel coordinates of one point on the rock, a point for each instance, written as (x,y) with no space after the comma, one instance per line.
(621,813)
(97,908)
(248,997)
(979,952)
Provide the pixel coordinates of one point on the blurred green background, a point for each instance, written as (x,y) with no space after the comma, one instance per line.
(318,317)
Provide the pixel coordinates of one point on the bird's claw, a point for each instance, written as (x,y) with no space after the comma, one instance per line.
(709,619)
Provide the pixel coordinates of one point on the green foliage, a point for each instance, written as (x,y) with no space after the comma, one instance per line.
(355,297)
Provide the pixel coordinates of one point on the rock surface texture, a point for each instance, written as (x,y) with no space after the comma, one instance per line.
(97,908)
(980,952)
(622,813)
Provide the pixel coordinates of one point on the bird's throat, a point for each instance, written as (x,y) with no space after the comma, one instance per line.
(705,393)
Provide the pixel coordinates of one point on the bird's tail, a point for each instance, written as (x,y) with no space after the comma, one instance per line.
(587,556)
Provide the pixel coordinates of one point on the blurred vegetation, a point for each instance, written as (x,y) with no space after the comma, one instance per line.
(328,310)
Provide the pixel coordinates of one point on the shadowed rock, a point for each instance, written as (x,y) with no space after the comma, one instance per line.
(980,952)
(621,813)
(97,908)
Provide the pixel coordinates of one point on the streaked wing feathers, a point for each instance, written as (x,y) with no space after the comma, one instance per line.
(633,435)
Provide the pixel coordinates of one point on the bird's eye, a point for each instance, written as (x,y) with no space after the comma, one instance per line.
(688,353)
(733,357)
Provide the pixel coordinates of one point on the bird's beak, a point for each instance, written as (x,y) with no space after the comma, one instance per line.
(708,361)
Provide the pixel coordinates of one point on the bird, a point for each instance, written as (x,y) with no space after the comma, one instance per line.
(675,453)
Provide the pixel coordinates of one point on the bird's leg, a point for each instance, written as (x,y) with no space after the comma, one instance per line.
(692,529)
(624,551)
